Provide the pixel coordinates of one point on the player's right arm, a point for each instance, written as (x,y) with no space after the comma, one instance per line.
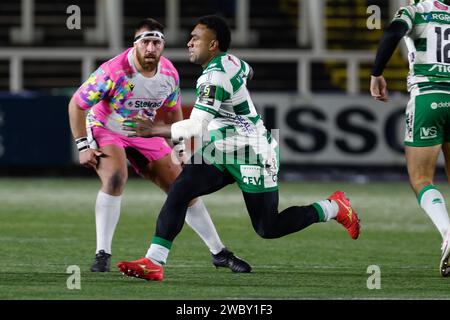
(96,88)
(399,27)
(210,96)
(77,118)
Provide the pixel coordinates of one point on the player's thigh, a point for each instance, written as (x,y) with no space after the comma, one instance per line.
(112,167)
(199,179)
(421,162)
(162,172)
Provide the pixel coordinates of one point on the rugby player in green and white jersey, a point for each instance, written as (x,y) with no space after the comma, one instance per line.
(425,25)
(238,148)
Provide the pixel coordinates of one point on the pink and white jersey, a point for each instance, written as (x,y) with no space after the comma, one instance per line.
(117,91)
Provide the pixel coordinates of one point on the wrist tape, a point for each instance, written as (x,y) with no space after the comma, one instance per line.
(82,144)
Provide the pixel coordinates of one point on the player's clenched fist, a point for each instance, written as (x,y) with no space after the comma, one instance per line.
(89,157)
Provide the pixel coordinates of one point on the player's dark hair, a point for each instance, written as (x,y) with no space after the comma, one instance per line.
(150,24)
(221,29)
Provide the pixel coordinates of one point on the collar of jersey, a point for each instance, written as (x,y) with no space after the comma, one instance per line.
(215,59)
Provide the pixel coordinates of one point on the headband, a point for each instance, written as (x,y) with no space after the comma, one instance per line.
(149,34)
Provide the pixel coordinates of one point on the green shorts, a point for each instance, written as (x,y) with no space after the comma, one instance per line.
(250,171)
(427,119)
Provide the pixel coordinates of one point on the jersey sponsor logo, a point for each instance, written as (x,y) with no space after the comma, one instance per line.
(427,17)
(251,175)
(207,94)
(436,17)
(142,104)
(435,105)
(440,68)
(428,133)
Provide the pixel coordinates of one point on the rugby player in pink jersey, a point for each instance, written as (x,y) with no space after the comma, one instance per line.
(134,84)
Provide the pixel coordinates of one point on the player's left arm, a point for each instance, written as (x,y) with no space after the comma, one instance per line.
(171,109)
(173,116)
(399,27)
(209,99)
(169,118)
(389,42)
(195,126)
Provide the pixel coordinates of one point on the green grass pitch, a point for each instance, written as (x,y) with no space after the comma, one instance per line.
(47,225)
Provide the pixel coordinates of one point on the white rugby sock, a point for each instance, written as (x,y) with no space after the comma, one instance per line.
(329,209)
(433,203)
(197,217)
(158,254)
(107,212)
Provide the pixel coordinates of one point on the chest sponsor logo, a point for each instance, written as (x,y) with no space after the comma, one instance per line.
(436,17)
(142,104)
(439,68)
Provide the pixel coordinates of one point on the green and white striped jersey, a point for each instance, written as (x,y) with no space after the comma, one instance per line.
(428,42)
(222,92)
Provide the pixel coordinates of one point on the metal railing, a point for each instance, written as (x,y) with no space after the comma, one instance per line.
(310,31)
(88,56)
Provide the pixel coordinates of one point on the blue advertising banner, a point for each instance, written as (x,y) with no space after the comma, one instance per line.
(34,131)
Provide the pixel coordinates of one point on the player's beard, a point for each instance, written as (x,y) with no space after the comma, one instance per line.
(146,64)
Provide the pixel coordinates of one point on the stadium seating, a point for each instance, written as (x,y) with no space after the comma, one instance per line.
(274,21)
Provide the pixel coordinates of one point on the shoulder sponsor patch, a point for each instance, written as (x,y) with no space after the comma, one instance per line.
(207,94)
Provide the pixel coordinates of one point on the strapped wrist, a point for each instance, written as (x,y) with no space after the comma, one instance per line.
(82,144)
